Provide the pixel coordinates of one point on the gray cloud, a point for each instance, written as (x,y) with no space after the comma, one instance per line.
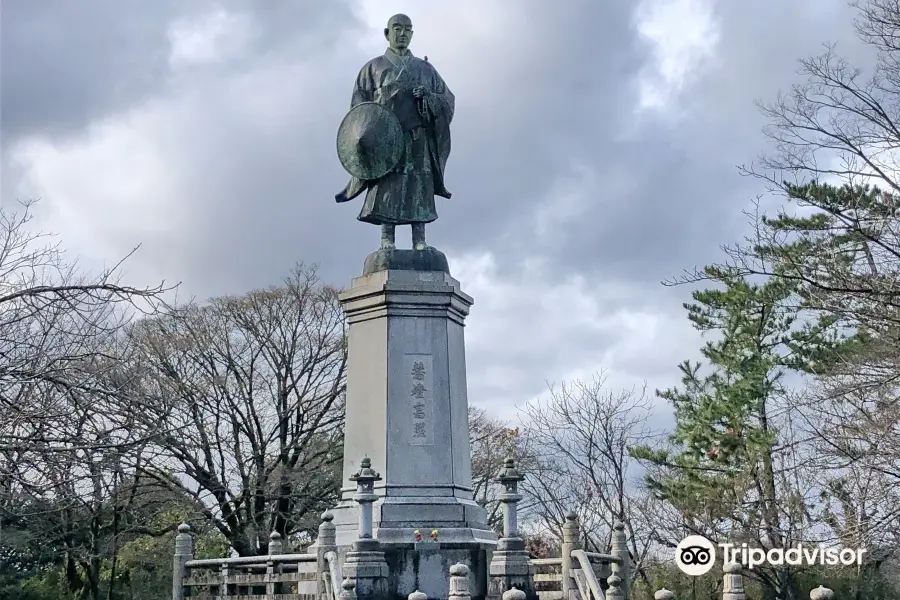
(684,194)
(219,153)
(512,136)
(66,63)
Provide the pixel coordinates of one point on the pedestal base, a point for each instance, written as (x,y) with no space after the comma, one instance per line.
(424,566)
(365,564)
(396,520)
(510,567)
(397,259)
(429,571)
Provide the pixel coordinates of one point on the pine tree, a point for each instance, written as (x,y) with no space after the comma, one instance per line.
(725,468)
(841,250)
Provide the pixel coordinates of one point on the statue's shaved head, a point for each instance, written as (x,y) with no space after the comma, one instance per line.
(399,32)
(399,18)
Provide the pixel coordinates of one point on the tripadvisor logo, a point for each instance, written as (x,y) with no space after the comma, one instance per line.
(695,555)
(796,555)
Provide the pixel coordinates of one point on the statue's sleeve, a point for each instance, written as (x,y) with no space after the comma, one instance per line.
(441,101)
(441,104)
(364,87)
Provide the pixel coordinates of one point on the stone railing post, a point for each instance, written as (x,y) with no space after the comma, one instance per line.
(571,541)
(365,563)
(620,548)
(616,588)
(459,582)
(272,568)
(513,593)
(510,567)
(224,574)
(325,542)
(417,595)
(821,593)
(276,544)
(348,590)
(664,594)
(733,583)
(184,551)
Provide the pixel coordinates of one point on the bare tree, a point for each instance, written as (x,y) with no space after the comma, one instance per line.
(855,432)
(835,139)
(840,123)
(61,431)
(580,437)
(81,506)
(56,324)
(492,441)
(250,391)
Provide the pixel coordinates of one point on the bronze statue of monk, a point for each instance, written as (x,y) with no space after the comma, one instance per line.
(414,92)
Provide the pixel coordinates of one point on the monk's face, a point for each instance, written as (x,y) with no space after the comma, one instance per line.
(399,32)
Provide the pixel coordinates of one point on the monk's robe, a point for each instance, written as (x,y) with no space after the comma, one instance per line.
(406,194)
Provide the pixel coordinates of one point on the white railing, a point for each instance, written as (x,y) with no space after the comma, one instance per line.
(585,578)
(332,576)
(249,561)
(267,576)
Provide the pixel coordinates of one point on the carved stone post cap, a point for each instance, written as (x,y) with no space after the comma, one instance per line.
(619,526)
(184,542)
(615,591)
(348,587)
(275,536)
(821,593)
(732,568)
(366,473)
(327,516)
(459,570)
(513,594)
(664,594)
(509,473)
(417,595)
(570,528)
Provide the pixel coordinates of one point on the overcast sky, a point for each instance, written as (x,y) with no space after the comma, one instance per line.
(594,153)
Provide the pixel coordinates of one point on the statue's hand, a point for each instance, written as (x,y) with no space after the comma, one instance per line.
(419,92)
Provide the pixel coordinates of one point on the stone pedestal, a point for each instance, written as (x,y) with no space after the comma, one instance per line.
(407,410)
(366,566)
(510,568)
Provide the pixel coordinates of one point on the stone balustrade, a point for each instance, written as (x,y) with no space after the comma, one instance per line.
(733,587)
(319,573)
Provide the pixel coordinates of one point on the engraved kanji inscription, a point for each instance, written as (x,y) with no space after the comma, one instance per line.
(418,371)
(419,410)
(418,368)
(418,390)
